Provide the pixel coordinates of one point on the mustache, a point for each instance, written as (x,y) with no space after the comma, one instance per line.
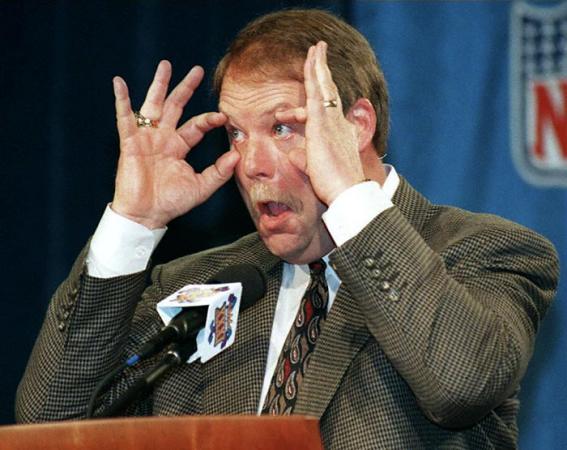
(262,193)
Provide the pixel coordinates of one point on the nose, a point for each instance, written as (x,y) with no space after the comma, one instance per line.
(259,159)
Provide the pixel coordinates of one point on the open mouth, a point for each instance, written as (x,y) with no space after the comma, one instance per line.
(273,209)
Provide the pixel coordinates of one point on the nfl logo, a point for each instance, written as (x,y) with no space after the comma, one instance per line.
(538,91)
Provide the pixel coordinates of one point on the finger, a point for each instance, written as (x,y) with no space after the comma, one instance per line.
(173,108)
(214,176)
(327,87)
(194,129)
(309,76)
(153,104)
(298,115)
(125,121)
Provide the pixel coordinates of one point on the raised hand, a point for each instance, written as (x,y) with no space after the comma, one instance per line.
(154,183)
(331,156)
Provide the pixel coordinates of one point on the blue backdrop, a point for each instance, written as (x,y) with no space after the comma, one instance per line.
(448,68)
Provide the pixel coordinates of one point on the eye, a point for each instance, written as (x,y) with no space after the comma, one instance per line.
(235,135)
(282,131)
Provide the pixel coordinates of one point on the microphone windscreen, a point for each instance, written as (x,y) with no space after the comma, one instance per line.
(252,278)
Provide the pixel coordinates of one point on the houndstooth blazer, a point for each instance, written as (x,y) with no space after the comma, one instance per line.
(425,345)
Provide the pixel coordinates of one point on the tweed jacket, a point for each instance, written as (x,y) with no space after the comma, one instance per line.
(425,345)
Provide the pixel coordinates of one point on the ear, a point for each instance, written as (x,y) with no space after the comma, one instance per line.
(363,116)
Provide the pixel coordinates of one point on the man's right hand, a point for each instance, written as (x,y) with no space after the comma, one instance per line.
(154,183)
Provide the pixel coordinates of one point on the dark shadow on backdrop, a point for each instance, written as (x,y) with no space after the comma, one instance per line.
(59,144)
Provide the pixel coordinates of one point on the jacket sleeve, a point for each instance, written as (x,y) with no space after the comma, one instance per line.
(456,309)
(86,333)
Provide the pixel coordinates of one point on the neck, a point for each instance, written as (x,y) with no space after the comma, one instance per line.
(374,168)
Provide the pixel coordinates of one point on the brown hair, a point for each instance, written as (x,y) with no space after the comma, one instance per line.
(276,44)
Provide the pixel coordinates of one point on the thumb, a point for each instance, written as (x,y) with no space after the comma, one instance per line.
(217,174)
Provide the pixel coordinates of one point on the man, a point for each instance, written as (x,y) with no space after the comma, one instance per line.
(424,320)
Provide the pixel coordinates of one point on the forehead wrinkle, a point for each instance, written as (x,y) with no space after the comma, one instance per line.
(248,97)
(281,106)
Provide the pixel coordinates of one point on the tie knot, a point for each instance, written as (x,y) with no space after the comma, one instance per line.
(317,267)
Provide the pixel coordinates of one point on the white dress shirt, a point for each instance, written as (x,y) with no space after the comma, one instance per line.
(121,247)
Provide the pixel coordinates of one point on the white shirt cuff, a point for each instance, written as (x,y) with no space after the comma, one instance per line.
(120,246)
(353,209)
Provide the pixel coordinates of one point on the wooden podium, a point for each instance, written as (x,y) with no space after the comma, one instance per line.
(167,433)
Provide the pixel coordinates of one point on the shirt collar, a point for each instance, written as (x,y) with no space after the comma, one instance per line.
(391,182)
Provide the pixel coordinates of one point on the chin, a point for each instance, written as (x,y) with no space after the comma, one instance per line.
(294,249)
(287,247)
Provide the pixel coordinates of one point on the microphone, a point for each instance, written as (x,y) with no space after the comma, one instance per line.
(189,321)
(182,330)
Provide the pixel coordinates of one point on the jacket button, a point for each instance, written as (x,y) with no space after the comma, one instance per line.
(369,263)
(393,295)
(61,326)
(376,273)
(384,286)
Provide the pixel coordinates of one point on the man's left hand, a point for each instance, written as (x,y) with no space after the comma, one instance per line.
(331,156)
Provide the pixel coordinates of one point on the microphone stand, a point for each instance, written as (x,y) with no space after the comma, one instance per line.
(177,355)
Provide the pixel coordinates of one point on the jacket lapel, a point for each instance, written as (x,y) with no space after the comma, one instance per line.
(342,337)
(345,332)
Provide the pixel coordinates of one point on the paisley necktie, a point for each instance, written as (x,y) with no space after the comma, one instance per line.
(300,343)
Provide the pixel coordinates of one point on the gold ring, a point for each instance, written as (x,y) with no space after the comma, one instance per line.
(333,103)
(144,122)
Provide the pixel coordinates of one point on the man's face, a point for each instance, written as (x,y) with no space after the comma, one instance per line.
(278,195)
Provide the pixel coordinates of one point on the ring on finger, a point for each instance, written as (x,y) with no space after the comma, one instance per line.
(333,103)
(144,122)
